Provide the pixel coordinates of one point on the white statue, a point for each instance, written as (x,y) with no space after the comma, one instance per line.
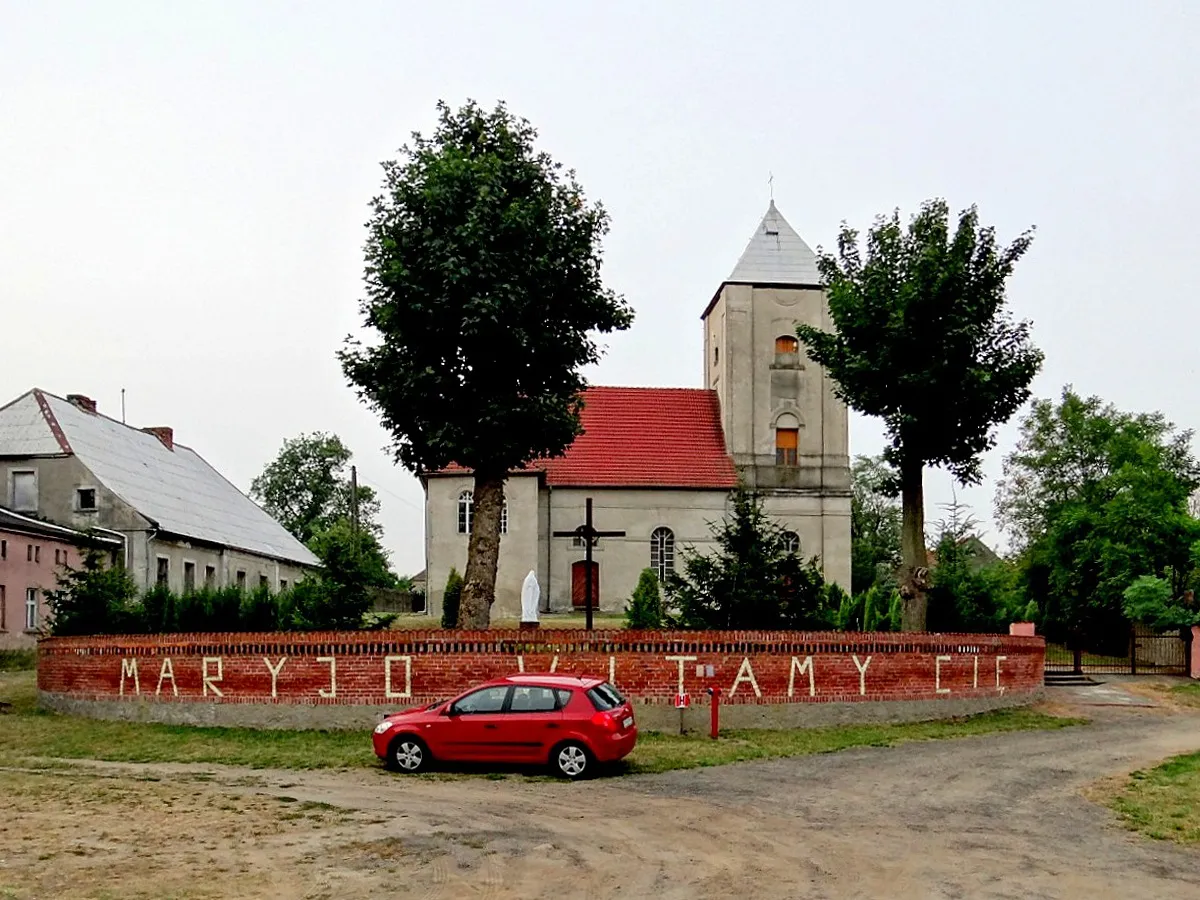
(529,598)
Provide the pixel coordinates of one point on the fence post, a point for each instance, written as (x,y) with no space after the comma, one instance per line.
(1132,649)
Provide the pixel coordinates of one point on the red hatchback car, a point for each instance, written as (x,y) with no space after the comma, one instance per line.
(568,722)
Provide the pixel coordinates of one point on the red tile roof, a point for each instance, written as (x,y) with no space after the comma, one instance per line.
(644,437)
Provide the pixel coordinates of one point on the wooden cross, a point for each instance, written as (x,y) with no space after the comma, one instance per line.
(587,533)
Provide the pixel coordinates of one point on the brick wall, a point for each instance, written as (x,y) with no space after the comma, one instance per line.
(396,669)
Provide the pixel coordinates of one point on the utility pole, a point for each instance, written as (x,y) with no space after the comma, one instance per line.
(354,508)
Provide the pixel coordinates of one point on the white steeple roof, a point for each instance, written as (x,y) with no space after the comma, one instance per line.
(776,255)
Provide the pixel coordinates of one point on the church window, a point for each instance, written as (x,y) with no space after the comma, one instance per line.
(466,513)
(791,542)
(787,441)
(787,351)
(662,552)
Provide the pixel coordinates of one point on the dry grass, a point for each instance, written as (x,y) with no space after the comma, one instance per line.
(552,621)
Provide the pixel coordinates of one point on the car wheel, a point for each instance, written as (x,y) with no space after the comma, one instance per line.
(408,754)
(571,760)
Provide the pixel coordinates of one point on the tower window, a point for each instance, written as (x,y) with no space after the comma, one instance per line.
(787,351)
(662,552)
(787,440)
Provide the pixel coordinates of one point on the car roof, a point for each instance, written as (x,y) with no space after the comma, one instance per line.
(552,679)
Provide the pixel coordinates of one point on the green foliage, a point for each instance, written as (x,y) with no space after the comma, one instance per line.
(1150,600)
(874,523)
(18,660)
(1095,498)
(339,548)
(645,609)
(484,300)
(751,581)
(307,488)
(876,609)
(93,599)
(923,341)
(451,598)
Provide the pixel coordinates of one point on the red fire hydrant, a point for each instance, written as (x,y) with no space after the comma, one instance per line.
(715,693)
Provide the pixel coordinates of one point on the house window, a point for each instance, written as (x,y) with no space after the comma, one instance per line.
(466,513)
(24,491)
(210,576)
(662,552)
(241,579)
(164,571)
(786,442)
(791,542)
(3,549)
(57,556)
(189,576)
(283,584)
(31,609)
(3,610)
(85,499)
(264,581)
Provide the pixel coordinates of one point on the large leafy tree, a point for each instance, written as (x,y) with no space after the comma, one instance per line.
(751,580)
(874,523)
(307,487)
(483,300)
(1095,498)
(923,340)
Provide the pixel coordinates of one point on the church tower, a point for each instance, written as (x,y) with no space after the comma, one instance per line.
(787,432)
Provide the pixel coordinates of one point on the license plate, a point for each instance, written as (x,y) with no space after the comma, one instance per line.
(628,721)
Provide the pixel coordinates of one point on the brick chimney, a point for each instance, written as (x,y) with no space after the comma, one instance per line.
(164,434)
(87,404)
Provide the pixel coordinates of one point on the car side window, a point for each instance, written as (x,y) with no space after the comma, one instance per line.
(533,699)
(564,697)
(486,700)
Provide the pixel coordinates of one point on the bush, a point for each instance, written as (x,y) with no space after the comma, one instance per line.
(644,609)
(451,598)
(18,660)
(1149,600)
(94,599)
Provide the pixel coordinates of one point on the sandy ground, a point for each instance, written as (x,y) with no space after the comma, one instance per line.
(993,816)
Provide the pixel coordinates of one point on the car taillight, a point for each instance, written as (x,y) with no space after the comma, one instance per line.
(607,721)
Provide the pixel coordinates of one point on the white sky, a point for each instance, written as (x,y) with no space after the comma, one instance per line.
(183,187)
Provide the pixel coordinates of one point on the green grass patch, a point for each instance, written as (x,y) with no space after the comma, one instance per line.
(1187,694)
(1164,802)
(28,733)
(18,660)
(664,752)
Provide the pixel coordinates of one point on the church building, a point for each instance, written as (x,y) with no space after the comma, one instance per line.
(660,463)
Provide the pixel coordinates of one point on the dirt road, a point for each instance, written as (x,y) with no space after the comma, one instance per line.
(994,816)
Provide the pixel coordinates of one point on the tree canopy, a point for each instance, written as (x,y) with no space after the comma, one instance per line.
(923,340)
(751,580)
(483,299)
(1094,498)
(874,523)
(307,489)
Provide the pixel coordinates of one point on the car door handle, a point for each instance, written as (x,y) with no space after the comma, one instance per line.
(489,726)
(551,724)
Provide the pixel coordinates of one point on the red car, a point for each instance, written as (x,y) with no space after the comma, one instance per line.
(568,722)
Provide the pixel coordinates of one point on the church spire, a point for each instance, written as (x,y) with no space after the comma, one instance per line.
(776,254)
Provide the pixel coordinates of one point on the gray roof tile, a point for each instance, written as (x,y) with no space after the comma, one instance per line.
(776,255)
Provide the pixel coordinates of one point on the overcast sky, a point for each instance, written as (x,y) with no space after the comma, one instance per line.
(183,187)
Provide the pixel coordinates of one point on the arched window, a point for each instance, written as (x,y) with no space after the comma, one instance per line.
(787,442)
(787,351)
(466,505)
(466,513)
(662,552)
(791,542)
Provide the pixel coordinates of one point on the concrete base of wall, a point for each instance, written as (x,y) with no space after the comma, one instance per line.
(650,717)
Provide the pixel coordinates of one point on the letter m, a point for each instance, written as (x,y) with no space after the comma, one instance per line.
(129,670)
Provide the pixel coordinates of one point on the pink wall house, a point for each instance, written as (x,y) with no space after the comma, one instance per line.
(31,554)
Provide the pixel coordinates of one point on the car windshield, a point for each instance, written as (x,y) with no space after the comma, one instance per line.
(605,696)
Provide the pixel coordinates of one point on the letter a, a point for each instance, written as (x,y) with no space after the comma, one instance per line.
(745,673)
(167,671)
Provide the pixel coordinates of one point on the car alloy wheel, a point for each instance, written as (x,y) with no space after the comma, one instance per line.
(571,760)
(409,754)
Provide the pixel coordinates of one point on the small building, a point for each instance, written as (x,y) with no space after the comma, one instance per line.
(660,463)
(180,522)
(32,553)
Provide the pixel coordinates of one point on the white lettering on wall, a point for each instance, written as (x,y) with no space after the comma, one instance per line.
(521,664)
(862,673)
(210,680)
(332,692)
(937,675)
(274,670)
(999,659)
(387,677)
(554,663)
(681,660)
(975,683)
(166,671)
(129,669)
(612,671)
(798,668)
(745,673)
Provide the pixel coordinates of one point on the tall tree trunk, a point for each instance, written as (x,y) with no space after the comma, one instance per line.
(483,553)
(914,561)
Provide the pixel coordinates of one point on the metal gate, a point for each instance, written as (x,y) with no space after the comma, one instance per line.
(1148,653)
